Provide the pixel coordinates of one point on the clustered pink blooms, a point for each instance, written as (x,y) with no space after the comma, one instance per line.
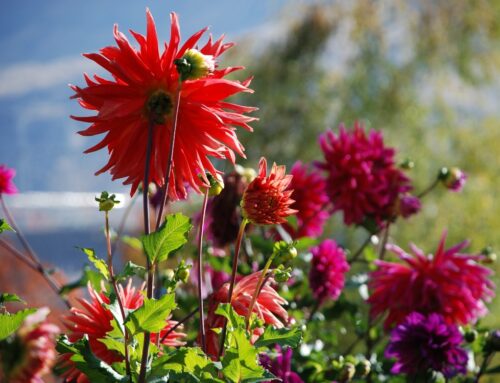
(36,339)
(94,320)
(268,307)
(6,184)
(448,283)
(143,91)
(362,179)
(266,200)
(328,268)
(311,202)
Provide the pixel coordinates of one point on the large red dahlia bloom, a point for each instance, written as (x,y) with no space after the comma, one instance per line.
(268,307)
(94,320)
(311,201)
(266,200)
(143,89)
(362,179)
(447,283)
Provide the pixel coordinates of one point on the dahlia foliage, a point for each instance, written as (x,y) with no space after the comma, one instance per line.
(263,284)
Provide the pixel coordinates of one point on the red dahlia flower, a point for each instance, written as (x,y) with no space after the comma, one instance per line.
(94,320)
(328,268)
(268,307)
(447,283)
(311,201)
(362,179)
(6,184)
(34,352)
(143,89)
(266,200)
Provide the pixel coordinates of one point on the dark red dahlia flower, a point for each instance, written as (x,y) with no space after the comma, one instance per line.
(422,343)
(281,366)
(33,350)
(448,283)
(328,268)
(143,90)
(266,200)
(6,184)
(268,307)
(311,202)
(362,179)
(94,320)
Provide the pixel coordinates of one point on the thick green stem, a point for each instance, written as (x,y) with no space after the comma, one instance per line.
(237,247)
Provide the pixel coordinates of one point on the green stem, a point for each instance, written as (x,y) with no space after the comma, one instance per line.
(200,270)
(258,289)
(431,187)
(237,247)
(118,297)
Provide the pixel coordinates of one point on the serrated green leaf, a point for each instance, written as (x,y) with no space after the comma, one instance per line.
(96,370)
(130,270)
(151,315)
(4,226)
(171,235)
(233,319)
(6,297)
(9,323)
(98,263)
(114,345)
(282,336)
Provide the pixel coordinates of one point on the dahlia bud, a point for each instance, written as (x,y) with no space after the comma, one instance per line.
(284,252)
(106,201)
(216,185)
(363,368)
(182,272)
(407,164)
(453,178)
(194,65)
(347,372)
(408,205)
(489,255)
(282,275)
(493,342)
(266,200)
(470,335)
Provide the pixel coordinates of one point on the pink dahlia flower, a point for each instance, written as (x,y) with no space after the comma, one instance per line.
(6,184)
(142,89)
(94,320)
(449,283)
(268,307)
(311,202)
(35,351)
(266,200)
(328,268)
(281,366)
(362,179)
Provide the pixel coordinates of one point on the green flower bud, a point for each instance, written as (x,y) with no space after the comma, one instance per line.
(489,255)
(182,272)
(470,335)
(407,164)
(106,201)
(284,252)
(347,372)
(282,275)
(216,185)
(363,368)
(194,65)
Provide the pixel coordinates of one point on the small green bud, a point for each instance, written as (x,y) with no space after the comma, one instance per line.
(216,185)
(106,201)
(284,252)
(194,65)
(182,272)
(470,335)
(489,255)
(407,164)
(347,372)
(282,275)
(338,364)
(363,368)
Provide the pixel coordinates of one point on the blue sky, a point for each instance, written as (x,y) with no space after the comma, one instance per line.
(41,44)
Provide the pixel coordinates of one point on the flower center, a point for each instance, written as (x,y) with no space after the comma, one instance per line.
(159,106)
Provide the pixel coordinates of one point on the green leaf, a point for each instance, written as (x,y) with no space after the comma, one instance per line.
(6,297)
(186,365)
(171,235)
(4,226)
(98,263)
(130,270)
(133,242)
(282,336)
(9,323)
(151,315)
(233,319)
(89,275)
(114,345)
(96,370)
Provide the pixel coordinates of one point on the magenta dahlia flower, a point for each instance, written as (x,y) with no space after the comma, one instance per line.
(423,342)
(142,91)
(449,283)
(33,352)
(408,205)
(328,268)
(281,366)
(311,202)
(362,179)
(6,184)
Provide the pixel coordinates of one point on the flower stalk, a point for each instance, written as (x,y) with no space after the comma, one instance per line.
(258,289)
(200,270)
